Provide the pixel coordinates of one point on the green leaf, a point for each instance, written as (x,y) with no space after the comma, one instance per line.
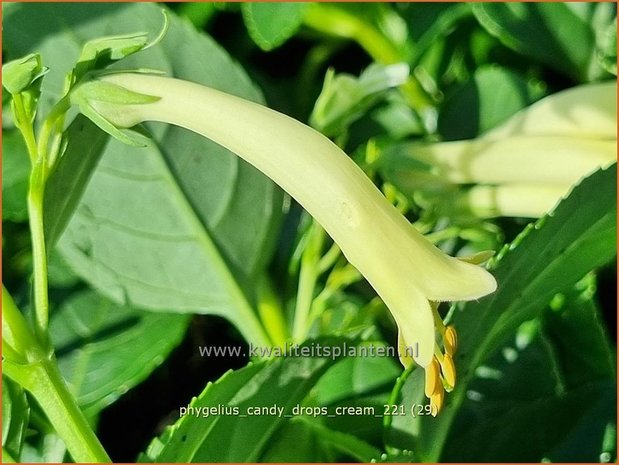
(184,201)
(607,47)
(296,442)
(99,53)
(104,349)
(550,33)
(306,440)
(575,328)
(230,433)
(430,22)
(542,424)
(272,24)
(87,95)
(355,377)
(15,176)
(65,186)
(525,379)
(548,257)
(491,97)
(358,382)
(15,414)
(59,275)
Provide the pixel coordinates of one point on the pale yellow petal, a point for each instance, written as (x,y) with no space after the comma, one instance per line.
(416,328)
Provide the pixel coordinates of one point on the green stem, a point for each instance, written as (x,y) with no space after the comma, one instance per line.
(39,253)
(24,124)
(51,130)
(45,383)
(307,280)
(328,260)
(271,313)
(6,457)
(37,371)
(338,22)
(339,278)
(18,343)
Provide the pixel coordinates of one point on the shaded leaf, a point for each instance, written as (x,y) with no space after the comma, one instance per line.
(551,33)
(295,442)
(490,98)
(526,387)
(271,24)
(15,415)
(541,424)
(229,433)
(306,440)
(358,382)
(104,349)
(15,176)
(581,344)
(184,202)
(65,186)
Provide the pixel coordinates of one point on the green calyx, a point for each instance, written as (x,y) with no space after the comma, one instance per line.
(99,53)
(20,75)
(96,94)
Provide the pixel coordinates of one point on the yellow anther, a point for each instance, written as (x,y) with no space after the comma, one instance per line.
(433,378)
(436,402)
(449,370)
(450,340)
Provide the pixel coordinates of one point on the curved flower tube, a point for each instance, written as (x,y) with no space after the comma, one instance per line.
(405,269)
(527,164)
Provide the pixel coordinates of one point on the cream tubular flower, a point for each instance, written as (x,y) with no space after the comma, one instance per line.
(527,164)
(405,269)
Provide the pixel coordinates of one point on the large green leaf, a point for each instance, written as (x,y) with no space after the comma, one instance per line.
(554,34)
(64,189)
(358,382)
(304,439)
(581,344)
(15,174)
(271,24)
(430,22)
(548,258)
(492,96)
(524,381)
(541,424)
(183,225)
(229,433)
(15,414)
(308,447)
(104,349)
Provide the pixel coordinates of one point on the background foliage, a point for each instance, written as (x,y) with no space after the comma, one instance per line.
(159,250)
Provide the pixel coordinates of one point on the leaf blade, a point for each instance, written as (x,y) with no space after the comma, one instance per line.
(221,437)
(271,24)
(104,349)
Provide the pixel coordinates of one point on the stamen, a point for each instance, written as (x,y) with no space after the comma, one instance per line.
(450,340)
(436,402)
(438,321)
(449,371)
(433,378)
(438,353)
